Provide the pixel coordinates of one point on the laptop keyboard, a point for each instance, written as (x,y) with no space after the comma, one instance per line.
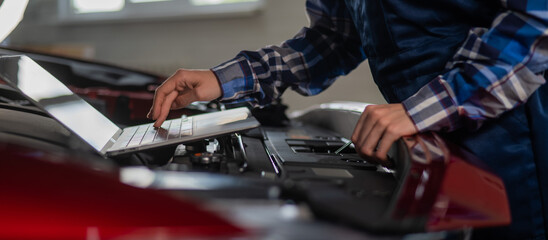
(146,134)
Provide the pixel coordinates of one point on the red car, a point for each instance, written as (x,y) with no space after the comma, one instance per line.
(281,180)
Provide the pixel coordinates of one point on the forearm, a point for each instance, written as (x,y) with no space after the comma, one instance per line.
(260,76)
(494,71)
(307,63)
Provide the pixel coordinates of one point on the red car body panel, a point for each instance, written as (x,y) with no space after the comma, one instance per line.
(448,185)
(44,196)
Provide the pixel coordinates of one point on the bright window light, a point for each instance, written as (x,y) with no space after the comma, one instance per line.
(93,6)
(11,13)
(145,1)
(217,2)
(81,11)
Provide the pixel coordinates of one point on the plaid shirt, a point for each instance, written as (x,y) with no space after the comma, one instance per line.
(495,69)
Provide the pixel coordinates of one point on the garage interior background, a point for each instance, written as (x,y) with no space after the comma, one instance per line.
(163,45)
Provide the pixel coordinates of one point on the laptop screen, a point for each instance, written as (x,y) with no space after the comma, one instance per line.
(56,99)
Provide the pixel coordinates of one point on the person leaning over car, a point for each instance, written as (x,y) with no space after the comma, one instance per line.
(470,70)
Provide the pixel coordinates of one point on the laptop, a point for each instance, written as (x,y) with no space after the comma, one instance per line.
(79,117)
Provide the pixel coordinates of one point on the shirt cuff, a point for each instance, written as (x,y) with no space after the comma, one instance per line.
(236,79)
(433,107)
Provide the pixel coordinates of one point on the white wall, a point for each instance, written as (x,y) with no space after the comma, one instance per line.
(164,46)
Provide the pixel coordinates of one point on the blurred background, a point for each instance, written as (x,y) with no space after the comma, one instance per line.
(160,36)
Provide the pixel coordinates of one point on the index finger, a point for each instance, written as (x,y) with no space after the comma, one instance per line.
(160,96)
(358,127)
(164,109)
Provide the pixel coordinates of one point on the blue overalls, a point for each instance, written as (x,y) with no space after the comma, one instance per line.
(408,43)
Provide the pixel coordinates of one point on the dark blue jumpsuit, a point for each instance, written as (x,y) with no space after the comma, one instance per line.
(405,54)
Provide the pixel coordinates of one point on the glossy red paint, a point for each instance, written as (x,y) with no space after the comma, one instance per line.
(470,196)
(448,188)
(45,196)
(422,179)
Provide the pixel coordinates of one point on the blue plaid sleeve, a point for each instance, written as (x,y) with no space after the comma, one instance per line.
(307,63)
(495,70)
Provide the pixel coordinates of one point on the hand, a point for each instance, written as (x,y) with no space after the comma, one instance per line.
(181,89)
(378,128)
